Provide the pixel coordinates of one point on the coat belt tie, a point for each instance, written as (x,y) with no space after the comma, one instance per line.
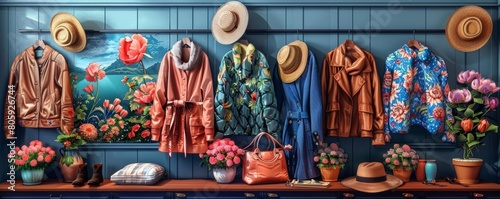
(183,106)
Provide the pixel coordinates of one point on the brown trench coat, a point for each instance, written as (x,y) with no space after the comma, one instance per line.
(351,94)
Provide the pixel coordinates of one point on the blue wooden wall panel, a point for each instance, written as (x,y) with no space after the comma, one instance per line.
(397,17)
(121,18)
(153,18)
(157,157)
(91,17)
(274,17)
(94,156)
(4,71)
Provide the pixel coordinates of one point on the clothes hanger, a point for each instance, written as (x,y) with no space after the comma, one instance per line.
(186,41)
(413,42)
(244,42)
(349,43)
(38,46)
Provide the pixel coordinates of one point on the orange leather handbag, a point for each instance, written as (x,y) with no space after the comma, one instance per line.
(263,167)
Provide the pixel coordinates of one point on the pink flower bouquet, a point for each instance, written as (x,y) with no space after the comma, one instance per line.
(32,157)
(330,156)
(470,105)
(401,157)
(222,154)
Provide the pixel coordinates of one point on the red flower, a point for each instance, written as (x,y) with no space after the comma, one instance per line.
(67,143)
(131,135)
(467,125)
(145,94)
(132,50)
(48,158)
(125,79)
(254,97)
(71,112)
(105,104)
(116,102)
(89,89)
(483,125)
(123,113)
(147,123)
(118,108)
(439,114)
(104,128)
(145,134)
(94,73)
(135,128)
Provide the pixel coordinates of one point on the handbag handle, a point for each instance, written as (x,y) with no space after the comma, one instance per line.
(255,142)
(256,155)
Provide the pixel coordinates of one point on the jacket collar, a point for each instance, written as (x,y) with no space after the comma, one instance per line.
(194,57)
(421,53)
(47,51)
(353,64)
(244,59)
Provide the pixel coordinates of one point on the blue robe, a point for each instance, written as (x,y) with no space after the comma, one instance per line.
(304,120)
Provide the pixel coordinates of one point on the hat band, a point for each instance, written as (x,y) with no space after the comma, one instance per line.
(469,28)
(289,57)
(64,34)
(371,179)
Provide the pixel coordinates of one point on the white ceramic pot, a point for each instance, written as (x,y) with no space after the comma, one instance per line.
(224,175)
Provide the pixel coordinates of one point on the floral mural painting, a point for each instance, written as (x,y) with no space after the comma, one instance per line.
(114,92)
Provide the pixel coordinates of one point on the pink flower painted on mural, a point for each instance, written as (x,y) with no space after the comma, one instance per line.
(89,88)
(132,49)
(93,73)
(145,94)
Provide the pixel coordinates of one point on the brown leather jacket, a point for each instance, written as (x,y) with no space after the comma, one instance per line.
(351,94)
(182,115)
(42,95)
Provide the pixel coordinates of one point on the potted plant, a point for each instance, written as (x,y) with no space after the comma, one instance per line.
(402,160)
(31,161)
(470,124)
(330,159)
(223,156)
(70,157)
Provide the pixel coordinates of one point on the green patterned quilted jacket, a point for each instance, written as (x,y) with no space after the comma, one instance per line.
(245,102)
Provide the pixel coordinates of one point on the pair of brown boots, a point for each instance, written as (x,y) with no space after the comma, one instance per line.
(96,179)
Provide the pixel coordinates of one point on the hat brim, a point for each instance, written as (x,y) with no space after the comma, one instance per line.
(81,38)
(291,77)
(391,183)
(224,37)
(468,45)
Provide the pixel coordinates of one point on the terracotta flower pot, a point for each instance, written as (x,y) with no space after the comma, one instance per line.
(467,170)
(329,174)
(402,174)
(70,172)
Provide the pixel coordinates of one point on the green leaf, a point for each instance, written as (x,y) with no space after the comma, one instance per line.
(134,106)
(460,109)
(138,78)
(473,143)
(478,114)
(462,138)
(458,118)
(478,100)
(449,125)
(469,113)
(470,138)
(480,135)
(146,110)
(100,109)
(129,95)
(493,128)
(146,76)
(475,120)
(147,55)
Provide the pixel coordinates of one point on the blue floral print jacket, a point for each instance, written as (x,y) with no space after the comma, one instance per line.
(414,91)
(245,101)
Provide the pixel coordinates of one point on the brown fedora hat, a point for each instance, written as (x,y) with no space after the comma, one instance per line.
(67,32)
(229,22)
(371,178)
(469,28)
(292,61)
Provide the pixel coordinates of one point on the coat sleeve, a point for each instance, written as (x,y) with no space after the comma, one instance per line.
(67,111)
(220,97)
(10,101)
(443,78)
(315,103)
(378,113)
(386,93)
(208,100)
(325,73)
(157,112)
(268,99)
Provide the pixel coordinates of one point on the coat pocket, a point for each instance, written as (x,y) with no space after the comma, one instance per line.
(366,117)
(332,113)
(197,130)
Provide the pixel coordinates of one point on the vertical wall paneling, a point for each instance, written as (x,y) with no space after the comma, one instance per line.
(91,18)
(157,157)
(360,20)
(117,159)
(4,71)
(397,17)
(96,156)
(185,18)
(200,18)
(121,18)
(153,18)
(320,17)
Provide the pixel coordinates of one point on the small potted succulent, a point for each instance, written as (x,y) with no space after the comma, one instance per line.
(330,159)
(222,156)
(402,160)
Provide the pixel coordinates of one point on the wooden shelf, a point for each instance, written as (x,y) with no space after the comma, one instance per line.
(211,185)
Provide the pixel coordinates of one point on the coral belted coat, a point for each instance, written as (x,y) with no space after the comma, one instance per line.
(351,94)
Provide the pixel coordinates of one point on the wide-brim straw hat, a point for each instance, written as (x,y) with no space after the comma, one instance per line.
(292,61)
(230,22)
(67,32)
(371,178)
(469,28)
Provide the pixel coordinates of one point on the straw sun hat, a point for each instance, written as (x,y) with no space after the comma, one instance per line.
(230,22)
(67,32)
(469,28)
(292,60)
(371,178)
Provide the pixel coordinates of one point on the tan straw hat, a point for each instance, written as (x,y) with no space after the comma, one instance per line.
(230,22)
(371,178)
(67,32)
(292,60)
(469,28)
